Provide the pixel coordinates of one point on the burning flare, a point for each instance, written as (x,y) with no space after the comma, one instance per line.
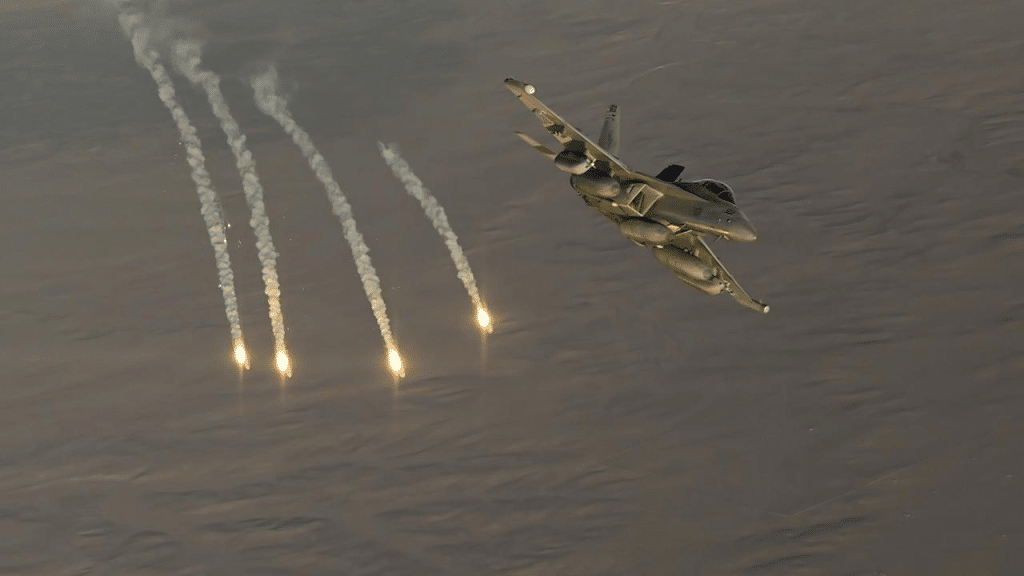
(240,356)
(484,320)
(396,363)
(283,364)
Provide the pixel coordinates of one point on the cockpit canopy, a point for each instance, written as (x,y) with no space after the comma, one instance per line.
(720,189)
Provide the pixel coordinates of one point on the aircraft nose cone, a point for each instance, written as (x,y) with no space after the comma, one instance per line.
(743,231)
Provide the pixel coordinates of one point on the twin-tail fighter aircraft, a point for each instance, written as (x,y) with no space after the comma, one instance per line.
(662,211)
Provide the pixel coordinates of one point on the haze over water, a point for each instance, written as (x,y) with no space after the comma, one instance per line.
(615,421)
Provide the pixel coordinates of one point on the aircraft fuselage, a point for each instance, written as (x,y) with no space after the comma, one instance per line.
(668,215)
(677,206)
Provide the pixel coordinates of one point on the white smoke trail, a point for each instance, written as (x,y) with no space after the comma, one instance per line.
(267,99)
(186,56)
(435,213)
(133,27)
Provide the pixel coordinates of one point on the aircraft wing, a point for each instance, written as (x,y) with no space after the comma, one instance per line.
(570,137)
(699,248)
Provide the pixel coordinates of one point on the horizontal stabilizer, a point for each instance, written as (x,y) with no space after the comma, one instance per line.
(670,173)
(537,146)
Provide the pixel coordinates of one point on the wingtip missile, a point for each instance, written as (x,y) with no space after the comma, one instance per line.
(758,306)
(513,83)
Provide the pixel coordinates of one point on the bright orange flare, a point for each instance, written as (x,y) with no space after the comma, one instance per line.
(396,362)
(240,356)
(484,320)
(283,364)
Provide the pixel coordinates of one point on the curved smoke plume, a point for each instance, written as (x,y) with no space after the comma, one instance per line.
(265,87)
(140,35)
(186,57)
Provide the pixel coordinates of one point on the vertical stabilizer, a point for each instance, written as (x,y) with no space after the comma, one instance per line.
(609,139)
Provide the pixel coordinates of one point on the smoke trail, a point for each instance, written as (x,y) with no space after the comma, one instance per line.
(133,27)
(435,212)
(267,99)
(186,55)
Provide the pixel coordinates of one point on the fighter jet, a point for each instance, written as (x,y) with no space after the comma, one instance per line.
(669,215)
